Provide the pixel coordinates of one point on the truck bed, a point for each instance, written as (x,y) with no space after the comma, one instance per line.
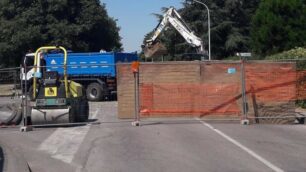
(94,63)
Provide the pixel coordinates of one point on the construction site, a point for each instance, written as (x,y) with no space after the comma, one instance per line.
(116,111)
(164,110)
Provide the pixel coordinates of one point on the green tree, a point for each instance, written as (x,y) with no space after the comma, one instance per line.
(79,25)
(279,25)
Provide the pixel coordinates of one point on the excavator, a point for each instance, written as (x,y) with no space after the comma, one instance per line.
(153,47)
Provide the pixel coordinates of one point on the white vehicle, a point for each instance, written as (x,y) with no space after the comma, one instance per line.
(174,18)
(27,70)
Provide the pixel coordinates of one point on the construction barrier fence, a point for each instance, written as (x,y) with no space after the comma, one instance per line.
(210,89)
(213,89)
(10,82)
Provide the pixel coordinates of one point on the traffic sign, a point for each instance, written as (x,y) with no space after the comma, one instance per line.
(247,54)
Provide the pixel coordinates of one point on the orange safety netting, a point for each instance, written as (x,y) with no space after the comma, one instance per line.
(271,82)
(219,93)
(301,85)
(192,99)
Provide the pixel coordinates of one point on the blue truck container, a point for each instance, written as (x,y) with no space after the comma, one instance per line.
(95,71)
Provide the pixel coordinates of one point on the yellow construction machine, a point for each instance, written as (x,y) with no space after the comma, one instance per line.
(55,99)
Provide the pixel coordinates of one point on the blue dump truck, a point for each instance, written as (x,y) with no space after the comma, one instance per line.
(95,71)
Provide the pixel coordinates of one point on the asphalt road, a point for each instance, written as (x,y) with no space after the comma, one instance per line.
(157,145)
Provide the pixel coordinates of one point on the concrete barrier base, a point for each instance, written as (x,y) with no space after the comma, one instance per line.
(245,122)
(26,128)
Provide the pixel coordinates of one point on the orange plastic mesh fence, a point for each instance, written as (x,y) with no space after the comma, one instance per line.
(271,82)
(217,92)
(301,85)
(189,99)
(207,88)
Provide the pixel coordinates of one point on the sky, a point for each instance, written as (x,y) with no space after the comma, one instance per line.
(135,18)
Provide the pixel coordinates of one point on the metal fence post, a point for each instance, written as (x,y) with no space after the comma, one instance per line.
(15,84)
(135,69)
(25,126)
(244,120)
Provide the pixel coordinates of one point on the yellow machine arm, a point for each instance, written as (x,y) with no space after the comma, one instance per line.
(65,67)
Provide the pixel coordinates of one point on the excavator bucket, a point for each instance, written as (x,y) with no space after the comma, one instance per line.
(154,50)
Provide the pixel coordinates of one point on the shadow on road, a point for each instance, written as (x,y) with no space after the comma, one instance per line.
(1,160)
(187,121)
(68,125)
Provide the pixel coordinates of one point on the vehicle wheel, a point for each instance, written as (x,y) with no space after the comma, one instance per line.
(114,97)
(94,92)
(83,111)
(73,112)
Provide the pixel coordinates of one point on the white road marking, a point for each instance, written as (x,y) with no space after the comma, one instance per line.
(63,143)
(94,116)
(249,151)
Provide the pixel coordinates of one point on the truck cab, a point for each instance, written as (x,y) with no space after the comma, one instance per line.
(27,71)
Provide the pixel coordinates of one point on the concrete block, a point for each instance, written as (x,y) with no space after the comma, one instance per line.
(136,123)
(245,122)
(26,128)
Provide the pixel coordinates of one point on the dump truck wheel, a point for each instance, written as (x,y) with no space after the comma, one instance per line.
(94,92)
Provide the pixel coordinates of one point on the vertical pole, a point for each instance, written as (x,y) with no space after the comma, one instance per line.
(15,84)
(136,97)
(135,70)
(209,43)
(25,127)
(23,91)
(208,25)
(25,99)
(244,101)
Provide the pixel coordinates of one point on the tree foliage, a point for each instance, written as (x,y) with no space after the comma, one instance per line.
(79,25)
(230,27)
(297,53)
(279,25)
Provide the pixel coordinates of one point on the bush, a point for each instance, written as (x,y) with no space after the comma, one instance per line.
(296,53)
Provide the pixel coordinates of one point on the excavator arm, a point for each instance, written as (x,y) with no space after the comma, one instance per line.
(152,47)
(160,27)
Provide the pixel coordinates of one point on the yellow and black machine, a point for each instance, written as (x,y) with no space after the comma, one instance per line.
(56,99)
